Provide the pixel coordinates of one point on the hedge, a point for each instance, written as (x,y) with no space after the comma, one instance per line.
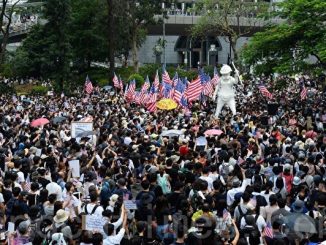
(39,90)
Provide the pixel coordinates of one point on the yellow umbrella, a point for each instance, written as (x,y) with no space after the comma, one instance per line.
(166,104)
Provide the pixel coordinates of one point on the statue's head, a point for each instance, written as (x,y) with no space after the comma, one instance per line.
(225,70)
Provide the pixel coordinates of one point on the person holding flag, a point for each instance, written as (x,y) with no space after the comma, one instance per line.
(88,86)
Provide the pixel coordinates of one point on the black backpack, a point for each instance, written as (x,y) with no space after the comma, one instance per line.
(251,231)
(93,210)
(242,214)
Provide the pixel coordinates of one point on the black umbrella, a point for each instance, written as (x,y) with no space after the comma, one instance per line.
(58,119)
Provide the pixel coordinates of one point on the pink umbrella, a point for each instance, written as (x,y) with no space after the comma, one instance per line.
(39,122)
(213,132)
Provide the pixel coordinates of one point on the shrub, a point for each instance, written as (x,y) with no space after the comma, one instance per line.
(103,82)
(124,72)
(138,78)
(5,89)
(39,90)
(6,70)
(149,70)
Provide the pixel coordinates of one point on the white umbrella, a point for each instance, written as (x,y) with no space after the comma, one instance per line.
(171,133)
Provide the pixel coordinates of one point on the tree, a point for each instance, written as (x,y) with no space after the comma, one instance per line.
(6,12)
(225,18)
(88,35)
(285,48)
(57,13)
(141,14)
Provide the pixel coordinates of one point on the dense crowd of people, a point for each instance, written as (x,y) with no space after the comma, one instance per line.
(259,180)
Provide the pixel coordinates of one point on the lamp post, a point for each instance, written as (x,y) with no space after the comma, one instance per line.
(163,9)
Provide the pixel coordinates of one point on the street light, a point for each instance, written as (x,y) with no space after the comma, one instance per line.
(163,9)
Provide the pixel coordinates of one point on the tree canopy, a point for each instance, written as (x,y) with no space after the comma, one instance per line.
(289,47)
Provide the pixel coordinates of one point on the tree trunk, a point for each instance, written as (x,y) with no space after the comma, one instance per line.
(135,53)
(111,37)
(233,43)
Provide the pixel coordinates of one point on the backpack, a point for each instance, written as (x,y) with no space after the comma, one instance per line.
(86,212)
(164,183)
(250,231)
(242,214)
(225,170)
(196,200)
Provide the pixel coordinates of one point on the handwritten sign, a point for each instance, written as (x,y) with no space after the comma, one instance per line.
(75,168)
(93,222)
(130,204)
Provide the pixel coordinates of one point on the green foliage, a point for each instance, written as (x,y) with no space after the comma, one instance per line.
(89,35)
(124,72)
(6,70)
(284,48)
(103,82)
(5,89)
(138,78)
(149,70)
(215,19)
(39,90)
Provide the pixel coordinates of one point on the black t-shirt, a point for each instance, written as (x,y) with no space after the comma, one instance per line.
(175,198)
(7,194)
(156,189)
(161,216)
(43,182)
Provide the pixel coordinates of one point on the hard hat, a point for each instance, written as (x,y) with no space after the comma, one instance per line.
(225,69)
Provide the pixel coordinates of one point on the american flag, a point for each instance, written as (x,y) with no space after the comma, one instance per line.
(215,78)
(268,230)
(27,186)
(144,91)
(115,80)
(126,91)
(208,88)
(156,81)
(178,91)
(165,77)
(175,79)
(152,97)
(262,88)
(121,85)
(194,89)
(303,93)
(131,90)
(146,85)
(88,86)
(137,98)
(184,102)
(152,107)
(168,90)
(225,214)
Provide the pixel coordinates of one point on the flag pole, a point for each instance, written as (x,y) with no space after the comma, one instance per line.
(237,72)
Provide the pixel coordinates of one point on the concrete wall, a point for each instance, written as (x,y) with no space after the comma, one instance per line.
(146,54)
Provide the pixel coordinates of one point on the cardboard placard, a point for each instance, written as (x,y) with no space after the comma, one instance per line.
(75,168)
(92,222)
(130,204)
(80,127)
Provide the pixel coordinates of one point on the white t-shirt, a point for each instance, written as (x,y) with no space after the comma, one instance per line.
(209,180)
(260,223)
(90,206)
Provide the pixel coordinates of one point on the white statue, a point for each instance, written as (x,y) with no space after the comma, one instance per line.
(225,91)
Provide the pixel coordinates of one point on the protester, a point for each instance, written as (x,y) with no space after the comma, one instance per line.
(258,176)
